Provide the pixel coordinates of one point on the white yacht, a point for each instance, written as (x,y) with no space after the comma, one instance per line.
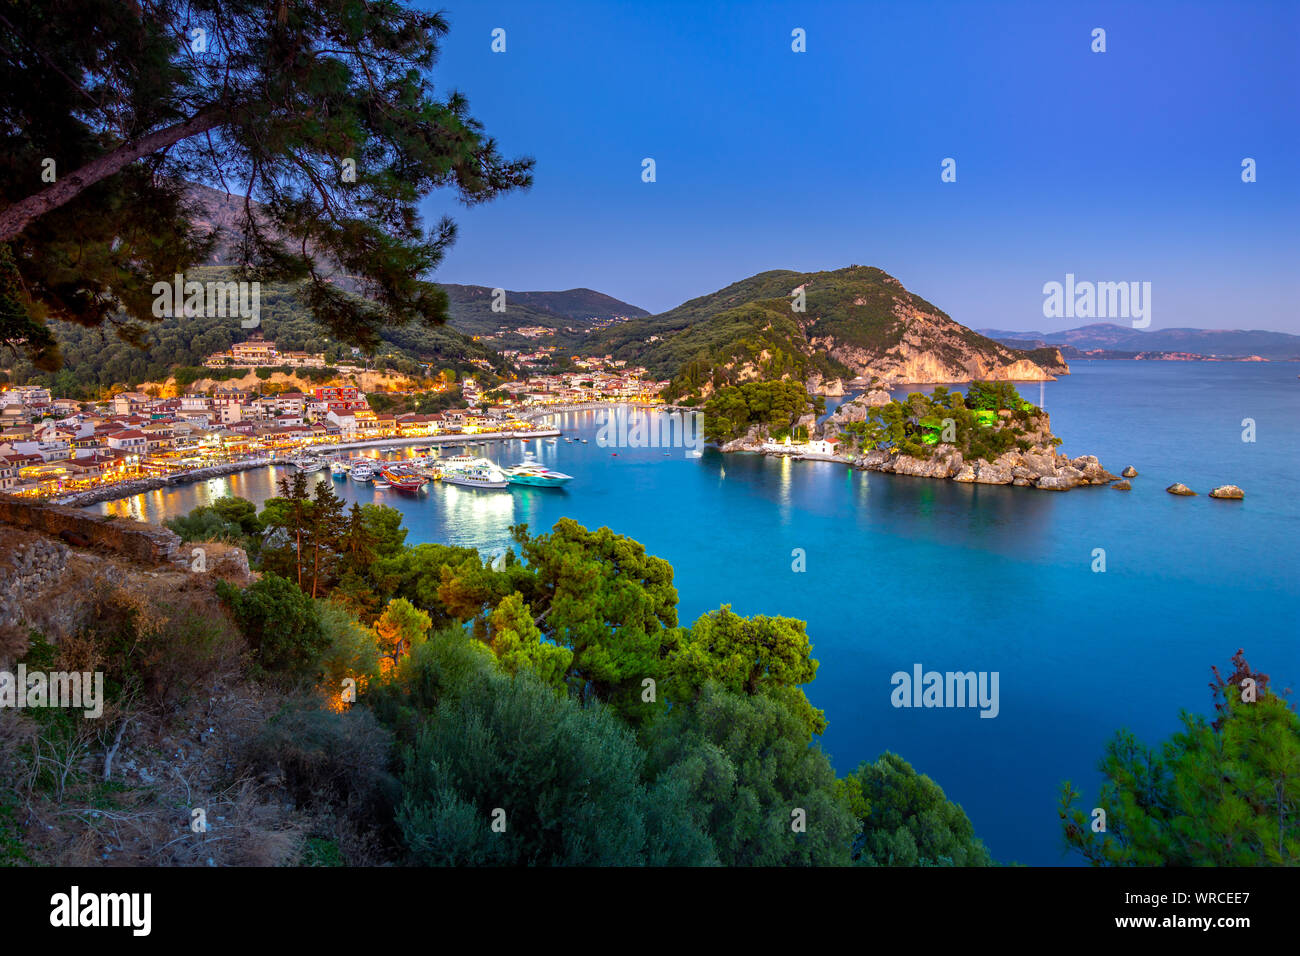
(477,473)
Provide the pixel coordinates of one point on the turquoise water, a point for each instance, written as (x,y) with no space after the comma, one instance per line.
(902,571)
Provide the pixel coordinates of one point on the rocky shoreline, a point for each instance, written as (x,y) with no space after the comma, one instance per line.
(1038,468)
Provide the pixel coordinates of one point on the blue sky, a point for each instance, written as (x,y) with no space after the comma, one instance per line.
(1115,166)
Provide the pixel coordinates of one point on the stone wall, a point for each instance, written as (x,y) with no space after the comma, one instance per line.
(142,543)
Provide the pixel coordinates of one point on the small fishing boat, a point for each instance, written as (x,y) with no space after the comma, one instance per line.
(338,471)
(379,484)
(362,472)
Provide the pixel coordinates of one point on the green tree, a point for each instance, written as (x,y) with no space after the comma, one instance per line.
(746,655)
(907,820)
(416,574)
(350,648)
(756,787)
(325,527)
(1218,793)
(281,624)
(401,628)
(274,101)
(600,595)
(562,783)
(288,515)
(518,645)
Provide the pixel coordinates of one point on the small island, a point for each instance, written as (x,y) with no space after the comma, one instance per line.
(990,435)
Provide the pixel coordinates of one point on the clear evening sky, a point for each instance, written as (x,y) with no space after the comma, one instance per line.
(1115,166)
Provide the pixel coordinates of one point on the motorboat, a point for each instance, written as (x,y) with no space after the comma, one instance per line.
(533,472)
(480,473)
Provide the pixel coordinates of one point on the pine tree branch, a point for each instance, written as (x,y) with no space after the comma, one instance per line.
(17,217)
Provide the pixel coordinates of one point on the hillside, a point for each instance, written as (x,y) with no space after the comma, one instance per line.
(858,322)
(1218,343)
(469,306)
(471,309)
(96,358)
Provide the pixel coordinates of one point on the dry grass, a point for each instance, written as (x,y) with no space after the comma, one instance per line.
(120,790)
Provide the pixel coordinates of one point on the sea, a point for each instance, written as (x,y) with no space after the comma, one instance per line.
(1097,609)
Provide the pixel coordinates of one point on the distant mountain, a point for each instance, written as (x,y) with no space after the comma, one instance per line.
(471,309)
(857,322)
(1217,343)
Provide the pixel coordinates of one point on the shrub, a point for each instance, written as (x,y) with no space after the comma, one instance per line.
(282,626)
(564,779)
(335,759)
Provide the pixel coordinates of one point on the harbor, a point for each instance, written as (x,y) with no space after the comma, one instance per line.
(413,474)
(130,487)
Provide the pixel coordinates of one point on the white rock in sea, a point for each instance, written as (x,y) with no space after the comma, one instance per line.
(1228,491)
(1129,472)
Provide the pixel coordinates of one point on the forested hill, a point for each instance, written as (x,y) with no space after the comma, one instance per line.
(469,306)
(96,358)
(856,321)
(471,309)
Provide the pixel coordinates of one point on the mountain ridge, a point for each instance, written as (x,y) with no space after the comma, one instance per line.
(1219,343)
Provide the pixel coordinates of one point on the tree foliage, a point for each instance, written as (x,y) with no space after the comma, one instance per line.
(271,101)
(1218,793)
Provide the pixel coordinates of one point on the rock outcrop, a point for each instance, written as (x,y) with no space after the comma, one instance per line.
(1129,472)
(51,587)
(1041,469)
(1124,485)
(1231,492)
(1178,488)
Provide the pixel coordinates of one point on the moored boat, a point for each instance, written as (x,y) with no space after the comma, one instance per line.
(536,474)
(481,473)
(403,479)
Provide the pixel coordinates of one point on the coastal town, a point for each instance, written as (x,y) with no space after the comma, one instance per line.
(52,446)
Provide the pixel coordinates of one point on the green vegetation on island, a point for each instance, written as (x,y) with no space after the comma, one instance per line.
(989,420)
